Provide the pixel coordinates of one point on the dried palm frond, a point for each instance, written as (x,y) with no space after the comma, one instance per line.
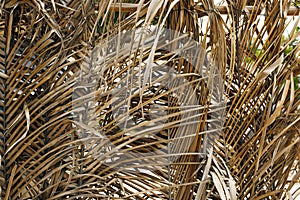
(160,99)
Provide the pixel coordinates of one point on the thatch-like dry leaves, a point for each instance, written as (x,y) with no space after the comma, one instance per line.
(91,110)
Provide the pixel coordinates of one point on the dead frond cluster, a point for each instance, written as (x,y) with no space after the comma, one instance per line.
(149,99)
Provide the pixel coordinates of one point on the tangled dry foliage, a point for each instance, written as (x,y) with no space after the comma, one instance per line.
(49,152)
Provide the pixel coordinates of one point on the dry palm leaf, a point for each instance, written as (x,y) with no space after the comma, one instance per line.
(151,127)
